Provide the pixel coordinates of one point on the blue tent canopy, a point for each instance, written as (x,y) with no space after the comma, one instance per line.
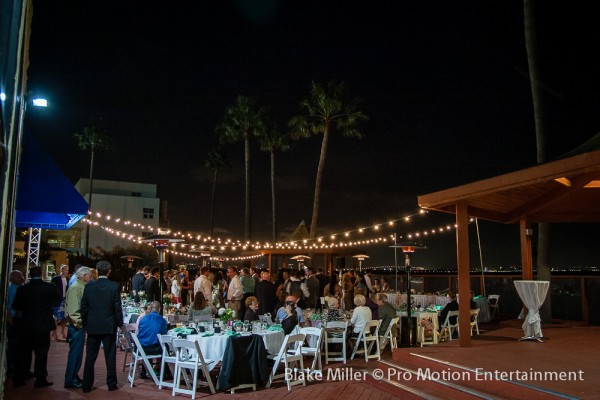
(45,197)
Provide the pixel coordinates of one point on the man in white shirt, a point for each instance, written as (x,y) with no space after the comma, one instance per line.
(235,291)
(204,285)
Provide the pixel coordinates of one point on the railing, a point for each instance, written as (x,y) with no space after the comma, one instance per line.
(573,297)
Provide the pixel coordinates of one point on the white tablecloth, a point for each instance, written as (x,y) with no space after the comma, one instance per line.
(533,294)
(213,347)
(484,309)
(422,300)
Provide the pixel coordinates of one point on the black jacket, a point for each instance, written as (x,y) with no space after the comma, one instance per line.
(245,362)
(36,301)
(101,310)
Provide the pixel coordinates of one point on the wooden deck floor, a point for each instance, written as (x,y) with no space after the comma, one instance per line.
(568,348)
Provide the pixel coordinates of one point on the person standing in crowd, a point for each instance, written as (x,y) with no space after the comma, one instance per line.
(73,277)
(265,293)
(255,274)
(323,281)
(312,284)
(16,279)
(152,286)
(184,283)
(175,288)
(61,281)
(35,300)
(204,285)
(75,328)
(101,316)
(234,291)
(247,289)
(149,328)
(137,283)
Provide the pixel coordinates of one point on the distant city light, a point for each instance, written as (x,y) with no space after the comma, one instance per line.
(40,102)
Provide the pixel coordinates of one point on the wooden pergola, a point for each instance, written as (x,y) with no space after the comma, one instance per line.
(565,190)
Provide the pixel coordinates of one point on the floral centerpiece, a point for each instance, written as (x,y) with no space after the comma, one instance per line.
(142,296)
(166,300)
(226,315)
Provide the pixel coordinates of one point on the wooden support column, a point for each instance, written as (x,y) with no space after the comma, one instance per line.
(464,284)
(526,254)
(270,263)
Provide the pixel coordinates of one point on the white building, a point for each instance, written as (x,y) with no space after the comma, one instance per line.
(127,201)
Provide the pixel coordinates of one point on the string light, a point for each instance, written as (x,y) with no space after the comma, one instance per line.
(211,243)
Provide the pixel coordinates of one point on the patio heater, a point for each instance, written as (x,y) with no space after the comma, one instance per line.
(130,260)
(161,242)
(408,248)
(360,258)
(202,254)
(300,259)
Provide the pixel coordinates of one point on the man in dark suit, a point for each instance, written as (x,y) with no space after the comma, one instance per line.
(152,286)
(265,293)
(35,300)
(101,315)
(137,282)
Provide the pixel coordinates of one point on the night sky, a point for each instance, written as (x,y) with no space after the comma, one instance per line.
(445,86)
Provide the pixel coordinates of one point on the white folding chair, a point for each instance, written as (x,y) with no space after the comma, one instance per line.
(188,356)
(427,329)
(289,354)
(368,337)
(335,333)
(139,355)
(128,345)
(388,335)
(312,347)
(474,320)
(168,359)
(493,300)
(448,327)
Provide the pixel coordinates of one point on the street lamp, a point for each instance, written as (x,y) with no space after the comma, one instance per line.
(408,248)
(161,242)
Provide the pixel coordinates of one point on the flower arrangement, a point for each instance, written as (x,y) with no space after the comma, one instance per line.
(226,314)
(142,295)
(167,299)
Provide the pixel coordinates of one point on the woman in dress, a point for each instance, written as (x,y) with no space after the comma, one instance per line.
(291,318)
(251,309)
(184,283)
(360,316)
(61,281)
(200,307)
(175,289)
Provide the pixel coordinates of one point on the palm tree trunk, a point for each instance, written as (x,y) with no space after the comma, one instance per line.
(315,213)
(248,218)
(273,197)
(87,229)
(212,201)
(543,248)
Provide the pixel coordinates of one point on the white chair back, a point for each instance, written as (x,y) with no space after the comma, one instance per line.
(474,320)
(448,327)
(312,347)
(168,359)
(289,354)
(188,356)
(335,333)
(389,336)
(139,355)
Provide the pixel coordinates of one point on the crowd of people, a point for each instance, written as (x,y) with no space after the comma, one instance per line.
(85,310)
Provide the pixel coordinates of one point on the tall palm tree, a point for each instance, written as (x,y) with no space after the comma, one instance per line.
(215,161)
(241,122)
(327,109)
(271,141)
(93,139)
(543,250)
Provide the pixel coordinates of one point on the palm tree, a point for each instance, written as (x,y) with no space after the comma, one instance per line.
(93,139)
(543,250)
(327,109)
(215,161)
(271,141)
(242,121)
